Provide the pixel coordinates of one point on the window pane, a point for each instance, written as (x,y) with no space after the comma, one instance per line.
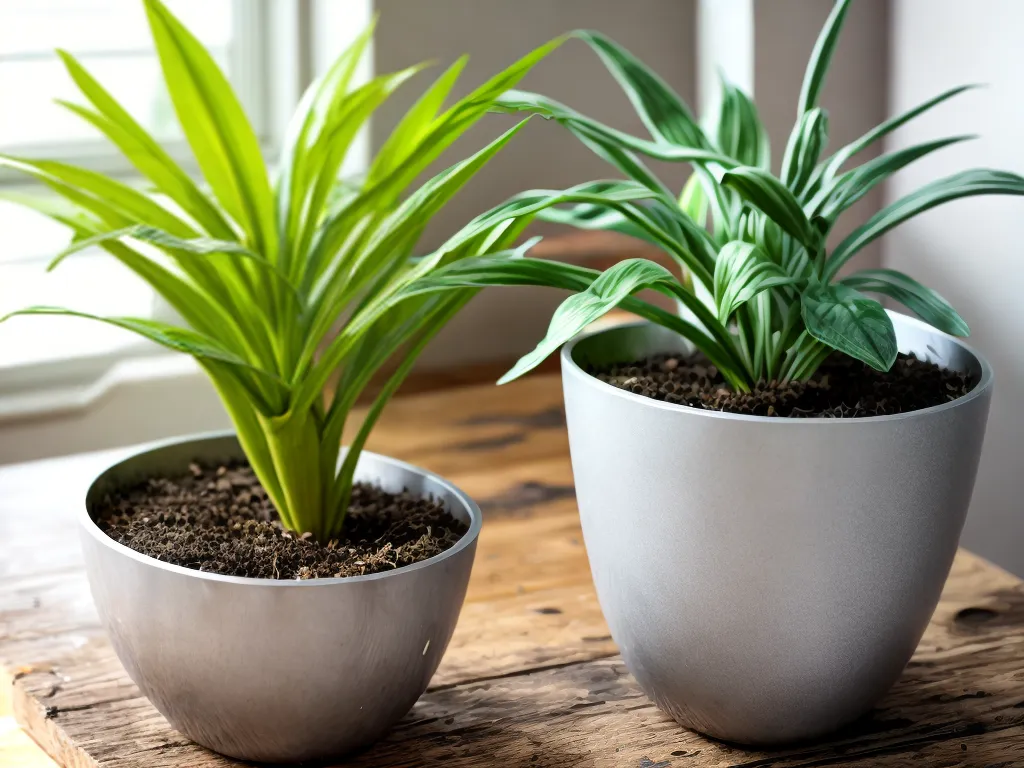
(84,26)
(133,79)
(111,39)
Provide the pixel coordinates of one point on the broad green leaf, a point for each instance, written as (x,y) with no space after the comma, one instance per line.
(922,301)
(821,57)
(742,271)
(849,321)
(847,189)
(769,195)
(663,112)
(980,181)
(215,125)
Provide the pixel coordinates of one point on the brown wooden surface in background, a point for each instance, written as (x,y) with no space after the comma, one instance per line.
(531,677)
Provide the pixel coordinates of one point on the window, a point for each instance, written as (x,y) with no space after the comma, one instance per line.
(111,39)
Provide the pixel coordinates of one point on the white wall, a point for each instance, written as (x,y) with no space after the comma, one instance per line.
(971,251)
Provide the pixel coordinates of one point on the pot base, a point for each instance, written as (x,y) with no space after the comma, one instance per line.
(781,571)
(269,670)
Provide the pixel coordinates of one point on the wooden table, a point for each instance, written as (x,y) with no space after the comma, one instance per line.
(532,677)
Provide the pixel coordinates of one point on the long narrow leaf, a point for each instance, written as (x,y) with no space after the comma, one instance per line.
(965,184)
(143,151)
(821,57)
(216,127)
(767,193)
(922,301)
(847,189)
(662,110)
(833,164)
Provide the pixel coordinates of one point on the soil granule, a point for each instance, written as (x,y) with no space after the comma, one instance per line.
(219,520)
(841,388)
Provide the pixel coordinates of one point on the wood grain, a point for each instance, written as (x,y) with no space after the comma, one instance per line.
(531,677)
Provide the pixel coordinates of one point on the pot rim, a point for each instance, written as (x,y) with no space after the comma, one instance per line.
(571,368)
(468,538)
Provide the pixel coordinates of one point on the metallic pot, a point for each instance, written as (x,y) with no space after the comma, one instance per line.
(767,579)
(269,670)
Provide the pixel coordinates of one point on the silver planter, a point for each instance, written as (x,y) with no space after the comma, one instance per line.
(767,579)
(269,670)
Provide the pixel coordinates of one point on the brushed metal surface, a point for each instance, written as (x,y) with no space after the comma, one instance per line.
(767,579)
(277,671)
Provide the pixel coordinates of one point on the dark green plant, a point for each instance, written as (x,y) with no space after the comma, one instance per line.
(773,304)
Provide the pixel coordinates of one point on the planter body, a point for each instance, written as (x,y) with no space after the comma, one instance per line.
(767,579)
(270,670)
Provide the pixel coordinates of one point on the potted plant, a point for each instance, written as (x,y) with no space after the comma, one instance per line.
(772,487)
(295,604)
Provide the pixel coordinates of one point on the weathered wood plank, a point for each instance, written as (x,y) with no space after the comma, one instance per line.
(531,677)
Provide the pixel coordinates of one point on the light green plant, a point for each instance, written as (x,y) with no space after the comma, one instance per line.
(763,293)
(284,279)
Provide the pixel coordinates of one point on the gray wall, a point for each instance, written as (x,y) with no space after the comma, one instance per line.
(970,250)
(495,33)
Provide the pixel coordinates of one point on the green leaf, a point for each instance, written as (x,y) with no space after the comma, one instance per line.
(821,57)
(847,189)
(108,194)
(737,128)
(580,310)
(805,145)
(979,181)
(143,151)
(215,125)
(663,112)
(922,301)
(742,272)
(693,201)
(691,247)
(415,124)
(198,246)
(505,269)
(178,339)
(318,164)
(845,319)
(583,126)
(323,97)
(769,195)
(834,163)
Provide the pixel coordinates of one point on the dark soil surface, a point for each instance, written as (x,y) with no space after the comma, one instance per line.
(842,387)
(219,520)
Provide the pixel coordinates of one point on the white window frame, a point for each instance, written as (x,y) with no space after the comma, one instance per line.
(284,44)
